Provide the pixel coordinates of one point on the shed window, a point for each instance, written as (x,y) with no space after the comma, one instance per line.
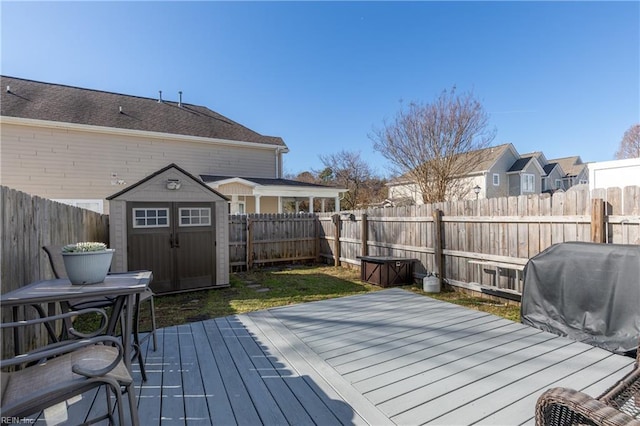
(151,218)
(190,216)
(496,179)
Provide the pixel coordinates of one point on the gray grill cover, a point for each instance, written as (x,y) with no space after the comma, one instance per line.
(589,292)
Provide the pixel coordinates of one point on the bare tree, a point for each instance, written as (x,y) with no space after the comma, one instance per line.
(427,143)
(630,143)
(348,170)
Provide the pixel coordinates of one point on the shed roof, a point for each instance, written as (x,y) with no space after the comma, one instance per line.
(67,104)
(159,172)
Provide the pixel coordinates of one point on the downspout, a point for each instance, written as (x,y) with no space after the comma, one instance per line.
(278,173)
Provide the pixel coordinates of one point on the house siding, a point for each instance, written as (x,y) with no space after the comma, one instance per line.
(500,166)
(64,163)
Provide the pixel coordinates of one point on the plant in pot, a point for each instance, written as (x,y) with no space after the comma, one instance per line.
(87,262)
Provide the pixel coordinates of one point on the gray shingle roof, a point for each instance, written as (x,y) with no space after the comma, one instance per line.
(572,166)
(264,181)
(67,104)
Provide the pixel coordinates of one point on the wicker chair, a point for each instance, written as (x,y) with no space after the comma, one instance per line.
(52,374)
(620,405)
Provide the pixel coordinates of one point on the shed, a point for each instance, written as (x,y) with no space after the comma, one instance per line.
(174,225)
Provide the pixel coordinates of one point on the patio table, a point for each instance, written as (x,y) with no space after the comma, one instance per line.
(124,287)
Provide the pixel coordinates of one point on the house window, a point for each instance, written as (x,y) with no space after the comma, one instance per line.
(151,218)
(558,183)
(496,179)
(528,182)
(583,181)
(94,205)
(190,216)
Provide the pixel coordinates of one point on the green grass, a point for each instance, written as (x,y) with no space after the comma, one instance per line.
(290,285)
(508,311)
(286,286)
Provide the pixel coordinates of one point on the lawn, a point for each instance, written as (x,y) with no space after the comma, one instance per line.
(271,287)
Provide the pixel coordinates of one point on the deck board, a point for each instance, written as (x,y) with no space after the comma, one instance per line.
(387,357)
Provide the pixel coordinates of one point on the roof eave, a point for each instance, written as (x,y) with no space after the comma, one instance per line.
(135,133)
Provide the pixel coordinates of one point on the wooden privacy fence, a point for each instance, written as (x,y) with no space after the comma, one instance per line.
(259,239)
(26,224)
(482,244)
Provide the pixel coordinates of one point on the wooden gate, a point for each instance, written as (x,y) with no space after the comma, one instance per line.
(174,240)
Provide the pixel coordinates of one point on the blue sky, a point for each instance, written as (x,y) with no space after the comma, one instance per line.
(557,77)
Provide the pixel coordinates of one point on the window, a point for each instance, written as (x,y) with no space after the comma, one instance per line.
(583,182)
(496,179)
(94,205)
(558,183)
(195,216)
(151,218)
(528,182)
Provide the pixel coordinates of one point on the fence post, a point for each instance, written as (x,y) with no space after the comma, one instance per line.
(336,246)
(365,235)
(437,244)
(597,221)
(249,243)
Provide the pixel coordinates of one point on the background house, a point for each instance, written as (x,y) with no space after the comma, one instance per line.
(501,171)
(79,146)
(575,171)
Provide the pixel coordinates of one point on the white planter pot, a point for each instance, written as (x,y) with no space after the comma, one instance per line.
(89,267)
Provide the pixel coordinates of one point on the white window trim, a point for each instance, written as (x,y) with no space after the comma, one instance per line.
(496,179)
(82,203)
(200,209)
(526,179)
(145,209)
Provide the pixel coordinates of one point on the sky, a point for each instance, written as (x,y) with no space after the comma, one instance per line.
(558,77)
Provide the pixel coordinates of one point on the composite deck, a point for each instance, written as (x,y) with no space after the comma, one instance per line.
(388,357)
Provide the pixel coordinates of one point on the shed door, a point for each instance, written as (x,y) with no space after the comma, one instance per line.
(175,241)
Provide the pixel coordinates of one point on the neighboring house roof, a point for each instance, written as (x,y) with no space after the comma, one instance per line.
(484,159)
(262,181)
(67,104)
(548,168)
(519,165)
(523,162)
(487,157)
(572,166)
(539,155)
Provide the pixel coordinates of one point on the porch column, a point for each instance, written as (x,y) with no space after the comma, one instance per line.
(322,205)
(257,197)
(337,204)
(280,208)
(297,206)
(311,204)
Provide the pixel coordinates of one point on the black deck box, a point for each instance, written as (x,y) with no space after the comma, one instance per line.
(386,271)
